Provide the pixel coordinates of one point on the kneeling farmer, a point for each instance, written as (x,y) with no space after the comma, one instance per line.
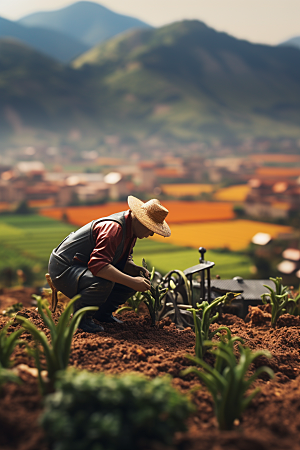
(96,260)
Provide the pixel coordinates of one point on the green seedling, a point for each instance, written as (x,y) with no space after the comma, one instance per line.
(56,352)
(132,304)
(8,344)
(203,317)
(293,305)
(12,310)
(153,297)
(278,299)
(227,381)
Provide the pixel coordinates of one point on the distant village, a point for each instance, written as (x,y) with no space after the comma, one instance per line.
(273,191)
(263,187)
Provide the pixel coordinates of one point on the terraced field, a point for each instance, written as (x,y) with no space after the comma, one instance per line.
(27,241)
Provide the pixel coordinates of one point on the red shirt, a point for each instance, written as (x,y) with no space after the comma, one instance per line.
(108,236)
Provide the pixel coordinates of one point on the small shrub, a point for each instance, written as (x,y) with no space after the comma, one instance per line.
(103,412)
(278,299)
(57,353)
(227,381)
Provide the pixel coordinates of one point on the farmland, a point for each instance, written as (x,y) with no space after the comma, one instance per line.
(236,193)
(27,241)
(234,235)
(165,257)
(179,211)
(278,172)
(181,190)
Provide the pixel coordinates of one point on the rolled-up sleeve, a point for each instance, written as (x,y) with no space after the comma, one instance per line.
(108,236)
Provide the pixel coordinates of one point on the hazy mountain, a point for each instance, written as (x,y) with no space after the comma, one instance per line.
(184,81)
(37,91)
(293,42)
(88,22)
(52,43)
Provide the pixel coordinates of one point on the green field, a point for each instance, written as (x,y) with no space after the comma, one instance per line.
(27,241)
(165,257)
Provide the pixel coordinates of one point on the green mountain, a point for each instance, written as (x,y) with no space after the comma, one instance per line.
(85,21)
(181,83)
(187,79)
(52,43)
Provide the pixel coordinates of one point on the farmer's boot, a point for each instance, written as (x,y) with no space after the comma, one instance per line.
(119,295)
(87,324)
(104,313)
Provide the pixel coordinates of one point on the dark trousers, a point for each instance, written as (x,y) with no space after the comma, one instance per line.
(94,291)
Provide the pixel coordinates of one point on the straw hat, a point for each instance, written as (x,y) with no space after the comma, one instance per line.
(151,214)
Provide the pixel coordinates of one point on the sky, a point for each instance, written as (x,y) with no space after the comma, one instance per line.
(260,21)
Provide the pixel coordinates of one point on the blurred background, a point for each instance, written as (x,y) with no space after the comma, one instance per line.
(195,103)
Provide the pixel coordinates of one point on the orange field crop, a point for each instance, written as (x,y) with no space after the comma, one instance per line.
(278,172)
(276,158)
(231,234)
(41,203)
(181,190)
(179,212)
(4,206)
(233,193)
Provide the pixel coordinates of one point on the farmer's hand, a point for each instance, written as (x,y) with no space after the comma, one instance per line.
(135,271)
(140,284)
(144,272)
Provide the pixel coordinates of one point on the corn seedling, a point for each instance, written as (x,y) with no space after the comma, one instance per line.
(8,344)
(57,353)
(293,305)
(202,324)
(227,381)
(278,299)
(132,304)
(153,297)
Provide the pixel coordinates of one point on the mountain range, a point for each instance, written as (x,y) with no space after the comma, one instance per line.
(182,82)
(68,32)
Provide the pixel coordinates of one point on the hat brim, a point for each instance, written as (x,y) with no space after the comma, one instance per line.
(135,205)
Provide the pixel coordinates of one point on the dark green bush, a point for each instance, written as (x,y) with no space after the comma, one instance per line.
(102,412)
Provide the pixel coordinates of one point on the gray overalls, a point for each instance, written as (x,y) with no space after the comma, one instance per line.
(70,274)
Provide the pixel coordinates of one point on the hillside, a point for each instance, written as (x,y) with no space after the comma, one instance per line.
(37,91)
(52,43)
(186,77)
(181,82)
(85,21)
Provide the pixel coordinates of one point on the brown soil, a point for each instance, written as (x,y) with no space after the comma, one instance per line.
(271,422)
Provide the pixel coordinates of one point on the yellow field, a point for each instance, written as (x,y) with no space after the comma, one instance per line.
(181,190)
(233,193)
(231,234)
